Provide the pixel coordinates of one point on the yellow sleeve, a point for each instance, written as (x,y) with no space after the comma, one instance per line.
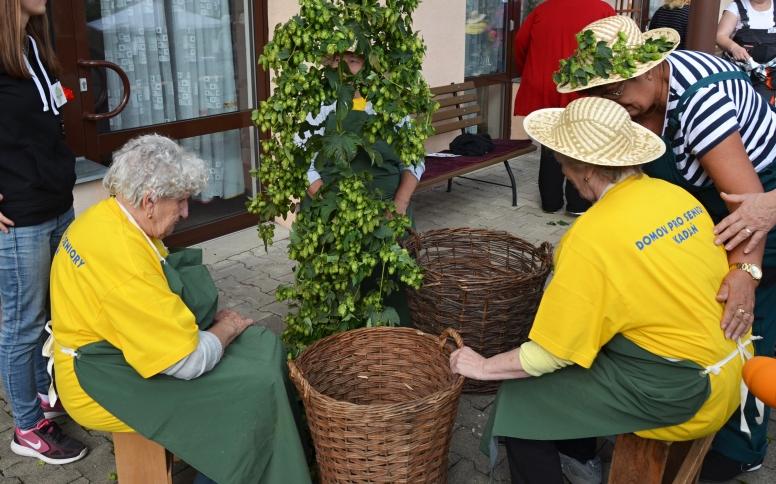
(537,361)
(577,314)
(151,324)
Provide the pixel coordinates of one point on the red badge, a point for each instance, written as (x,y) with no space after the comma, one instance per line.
(69,94)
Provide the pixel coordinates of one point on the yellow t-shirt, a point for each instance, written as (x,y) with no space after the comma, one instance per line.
(642,262)
(107,284)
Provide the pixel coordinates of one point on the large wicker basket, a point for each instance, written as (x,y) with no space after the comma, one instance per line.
(485,284)
(380,403)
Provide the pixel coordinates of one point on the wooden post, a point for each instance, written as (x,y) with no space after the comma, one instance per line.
(702,29)
(141,461)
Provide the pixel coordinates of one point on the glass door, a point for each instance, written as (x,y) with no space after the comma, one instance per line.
(490,26)
(181,68)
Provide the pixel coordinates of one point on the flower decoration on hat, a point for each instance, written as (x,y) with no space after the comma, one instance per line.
(611,50)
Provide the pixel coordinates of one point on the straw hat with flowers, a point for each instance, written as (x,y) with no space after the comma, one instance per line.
(594,130)
(612,50)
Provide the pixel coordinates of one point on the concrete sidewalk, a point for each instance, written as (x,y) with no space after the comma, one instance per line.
(247,277)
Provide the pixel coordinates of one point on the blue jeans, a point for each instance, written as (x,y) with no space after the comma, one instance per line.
(25,263)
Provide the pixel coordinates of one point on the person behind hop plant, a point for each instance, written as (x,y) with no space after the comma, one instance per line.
(721,137)
(396,181)
(546,36)
(626,337)
(37,174)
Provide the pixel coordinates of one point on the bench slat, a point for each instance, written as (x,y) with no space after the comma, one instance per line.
(452,100)
(447,127)
(444,114)
(450,88)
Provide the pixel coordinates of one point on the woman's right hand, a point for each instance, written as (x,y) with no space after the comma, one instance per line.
(5,222)
(468,363)
(739,53)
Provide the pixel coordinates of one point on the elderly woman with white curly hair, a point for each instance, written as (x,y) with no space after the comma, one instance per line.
(138,344)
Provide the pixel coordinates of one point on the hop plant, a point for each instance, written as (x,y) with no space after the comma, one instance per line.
(347,232)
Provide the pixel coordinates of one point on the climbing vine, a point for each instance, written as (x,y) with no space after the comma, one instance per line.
(348,232)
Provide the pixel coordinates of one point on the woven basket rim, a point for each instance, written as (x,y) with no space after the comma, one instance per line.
(453,390)
(543,253)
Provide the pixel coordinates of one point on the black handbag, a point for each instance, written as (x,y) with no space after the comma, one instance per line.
(468,144)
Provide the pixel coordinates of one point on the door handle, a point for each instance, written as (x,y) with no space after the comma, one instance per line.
(91,64)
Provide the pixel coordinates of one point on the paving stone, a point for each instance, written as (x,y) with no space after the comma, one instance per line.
(98,465)
(36,471)
(277,308)
(273,322)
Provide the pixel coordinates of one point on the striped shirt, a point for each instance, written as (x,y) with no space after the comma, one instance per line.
(675,18)
(715,112)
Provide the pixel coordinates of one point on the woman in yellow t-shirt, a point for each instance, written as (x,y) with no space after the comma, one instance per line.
(627,335)
(139,344)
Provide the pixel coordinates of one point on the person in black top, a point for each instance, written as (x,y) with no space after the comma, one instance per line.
(674,14)
(37,174)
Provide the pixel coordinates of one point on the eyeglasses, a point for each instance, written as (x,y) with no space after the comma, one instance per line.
(613,91)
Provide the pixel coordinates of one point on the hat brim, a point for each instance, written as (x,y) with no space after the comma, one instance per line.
(646,146)
(665,32)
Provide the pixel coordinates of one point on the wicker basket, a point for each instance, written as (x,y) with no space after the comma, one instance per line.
(380,403)
(485,284)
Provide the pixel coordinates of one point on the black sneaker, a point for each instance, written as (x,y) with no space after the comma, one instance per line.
(719,468)
(48,443)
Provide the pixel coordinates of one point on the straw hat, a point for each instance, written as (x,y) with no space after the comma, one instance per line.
(607,30)
(594,130)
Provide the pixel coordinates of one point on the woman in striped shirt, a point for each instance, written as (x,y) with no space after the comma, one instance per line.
(721,137)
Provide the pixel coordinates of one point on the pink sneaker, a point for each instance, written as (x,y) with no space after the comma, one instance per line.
(48,443)
(49,411)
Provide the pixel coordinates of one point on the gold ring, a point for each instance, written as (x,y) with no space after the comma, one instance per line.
(748,231)
(741,311)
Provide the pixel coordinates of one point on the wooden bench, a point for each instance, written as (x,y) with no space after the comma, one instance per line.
(459,110)
(141,461)
(646,461)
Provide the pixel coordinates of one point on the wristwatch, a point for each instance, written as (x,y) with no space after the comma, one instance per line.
(753,269)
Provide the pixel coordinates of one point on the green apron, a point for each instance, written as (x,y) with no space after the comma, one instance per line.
(730,441)
(235,424)
(627,389)
(386,177)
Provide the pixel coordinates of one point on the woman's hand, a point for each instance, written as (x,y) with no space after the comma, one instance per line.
(5,222)
(752,220)
(401,205)
(314,187)
(739,53)
(468,363)
(737,292)
(228,325)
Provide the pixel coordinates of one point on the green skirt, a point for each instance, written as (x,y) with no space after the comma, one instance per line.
(627,389)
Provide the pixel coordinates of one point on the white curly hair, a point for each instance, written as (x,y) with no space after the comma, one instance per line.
(156,166)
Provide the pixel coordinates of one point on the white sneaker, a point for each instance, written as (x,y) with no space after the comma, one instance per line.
(578,473)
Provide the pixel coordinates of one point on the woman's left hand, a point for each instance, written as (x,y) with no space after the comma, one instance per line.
(468,363)
(737,292)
